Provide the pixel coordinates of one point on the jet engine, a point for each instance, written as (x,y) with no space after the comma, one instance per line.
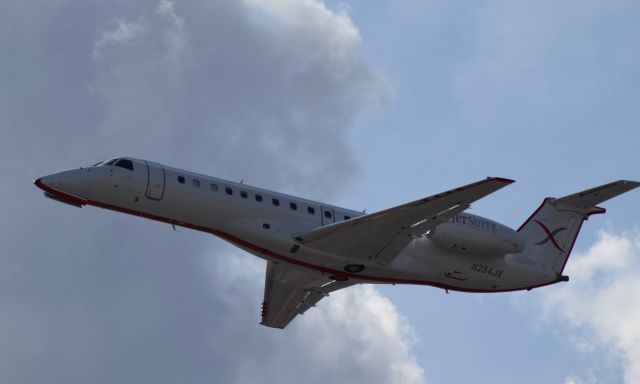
(473,234)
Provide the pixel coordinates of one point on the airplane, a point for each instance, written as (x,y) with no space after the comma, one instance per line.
(313,248)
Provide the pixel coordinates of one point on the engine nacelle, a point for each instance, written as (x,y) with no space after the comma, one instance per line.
(477,235)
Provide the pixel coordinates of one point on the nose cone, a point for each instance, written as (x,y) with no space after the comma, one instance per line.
(59,181)
(63,186)
(43,183)
(63,181)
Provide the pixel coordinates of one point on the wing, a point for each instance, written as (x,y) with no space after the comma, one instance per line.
(289,292)
(381,236)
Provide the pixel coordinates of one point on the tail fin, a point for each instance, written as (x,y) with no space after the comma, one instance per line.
(552,229)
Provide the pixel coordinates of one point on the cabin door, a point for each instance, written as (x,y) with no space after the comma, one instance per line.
(328,216)
(155,182)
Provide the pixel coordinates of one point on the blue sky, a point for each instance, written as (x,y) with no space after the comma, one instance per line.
(365,105)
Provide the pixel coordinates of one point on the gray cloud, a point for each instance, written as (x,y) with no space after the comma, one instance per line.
(264,91)
(280,91)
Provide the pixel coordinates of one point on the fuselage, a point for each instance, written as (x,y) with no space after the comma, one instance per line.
(468,253)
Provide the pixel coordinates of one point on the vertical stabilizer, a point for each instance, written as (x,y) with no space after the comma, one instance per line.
(552,230)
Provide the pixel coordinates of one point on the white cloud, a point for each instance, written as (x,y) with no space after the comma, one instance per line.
(353,336)
(361,323)
(304,18)
(166,8)
(573,379)
(123,32)
(602,301)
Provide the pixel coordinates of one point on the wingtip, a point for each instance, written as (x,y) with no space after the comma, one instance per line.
(501,179)
(633,183)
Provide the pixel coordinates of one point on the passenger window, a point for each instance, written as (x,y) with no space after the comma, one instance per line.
(327,214)
(347,217)
(243,194)
(196,183)
(228,191)
(311,210)
(293,206)
(181,179)
(125,163)
(275,202)
(259,198)
(214,187)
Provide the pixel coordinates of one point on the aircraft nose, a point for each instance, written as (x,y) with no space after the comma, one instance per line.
(63,186)
(42,183)
(57,181)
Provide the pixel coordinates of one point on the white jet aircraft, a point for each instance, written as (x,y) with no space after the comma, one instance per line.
(313,248)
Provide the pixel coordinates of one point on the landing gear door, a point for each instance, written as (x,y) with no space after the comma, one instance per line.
(328,216)
(155,182)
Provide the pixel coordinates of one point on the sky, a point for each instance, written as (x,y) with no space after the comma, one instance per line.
(360,104)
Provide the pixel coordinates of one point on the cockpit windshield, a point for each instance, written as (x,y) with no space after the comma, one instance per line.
(106,162)
(118,162)
(125,163)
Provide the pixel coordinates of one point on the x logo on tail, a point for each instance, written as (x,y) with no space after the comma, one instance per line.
(550,236)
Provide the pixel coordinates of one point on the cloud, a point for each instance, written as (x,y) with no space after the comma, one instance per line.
(238,90)
(303,18)
(360,322)
(354,336)
(602,304)
(250,76)
(573,379)
(124,32)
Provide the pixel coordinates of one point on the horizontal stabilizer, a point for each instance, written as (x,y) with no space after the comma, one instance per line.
(587,200)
